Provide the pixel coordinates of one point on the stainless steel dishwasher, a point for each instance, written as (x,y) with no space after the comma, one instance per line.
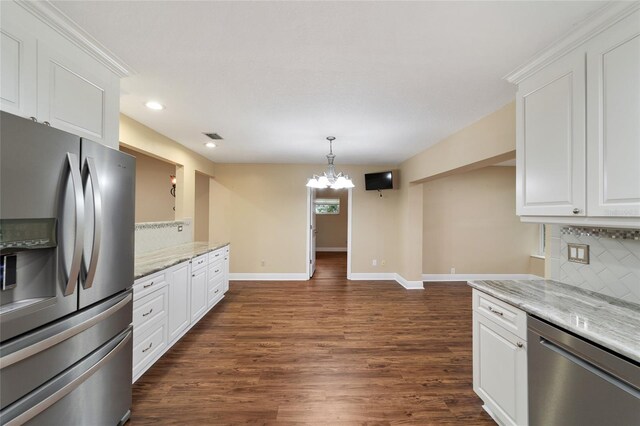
(575,382)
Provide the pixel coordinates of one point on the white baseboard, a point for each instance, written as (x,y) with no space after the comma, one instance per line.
(373,276)
(268,277)
(341,249)
(387,276)
(409,285)
(470,277)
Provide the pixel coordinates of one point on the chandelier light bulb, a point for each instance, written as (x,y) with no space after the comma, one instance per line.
(330,179)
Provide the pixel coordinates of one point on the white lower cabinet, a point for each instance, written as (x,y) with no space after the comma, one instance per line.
(500,359)
(168,303)
(179,300)
(198,294)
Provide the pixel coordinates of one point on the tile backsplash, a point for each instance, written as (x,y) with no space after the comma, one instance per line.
(152,236)
(614,268)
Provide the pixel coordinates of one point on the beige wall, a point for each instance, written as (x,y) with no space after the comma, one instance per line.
(485,142)
(154,202)
(332,228)
(201,213)
(470,224)
(141,138)
(262,210)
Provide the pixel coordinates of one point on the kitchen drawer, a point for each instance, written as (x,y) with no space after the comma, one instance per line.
(199,262)
(218,254)
(148,346)
(150,309)
(501,313)
(215,292)
(216,269)
(148,284)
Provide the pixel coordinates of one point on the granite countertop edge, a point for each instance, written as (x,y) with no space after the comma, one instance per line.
(544,309)
(155,261)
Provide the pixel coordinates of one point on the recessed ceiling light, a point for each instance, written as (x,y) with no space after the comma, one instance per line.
(154,105)
(210,145)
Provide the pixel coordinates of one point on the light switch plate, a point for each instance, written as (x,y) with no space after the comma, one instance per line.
(578,253)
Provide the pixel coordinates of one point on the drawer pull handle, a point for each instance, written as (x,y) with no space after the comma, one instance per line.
(148,285)
(149,347)
(216,291)
(216,271)
(495,311)
(148,313)
(217,254)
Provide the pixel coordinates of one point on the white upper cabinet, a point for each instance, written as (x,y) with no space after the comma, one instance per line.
(17,68)
(613,117)
(56,73)
(578,125)
(550,142)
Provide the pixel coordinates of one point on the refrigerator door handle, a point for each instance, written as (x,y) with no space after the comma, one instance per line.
(74,270)
(42,345)
(69,387)
(90,172)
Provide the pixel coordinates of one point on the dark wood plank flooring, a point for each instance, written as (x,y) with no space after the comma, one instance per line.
(324,351)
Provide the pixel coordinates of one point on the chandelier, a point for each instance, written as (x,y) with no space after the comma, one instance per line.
(330,179)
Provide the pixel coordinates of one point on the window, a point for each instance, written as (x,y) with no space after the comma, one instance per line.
(327,206)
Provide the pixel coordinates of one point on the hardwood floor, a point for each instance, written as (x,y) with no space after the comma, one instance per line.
(324,351)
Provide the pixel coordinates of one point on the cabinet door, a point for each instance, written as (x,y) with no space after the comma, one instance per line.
(179,300)
(613,117)
(550,140)
(18,56)
(500,371)
(198,294)
(76,95)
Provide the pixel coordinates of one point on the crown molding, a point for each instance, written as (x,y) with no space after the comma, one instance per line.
(56,19)
(591,26)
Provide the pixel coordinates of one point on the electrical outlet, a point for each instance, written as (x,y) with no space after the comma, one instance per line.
(262,263)
(383,262)
(578,253)
(374,262)
(453,270)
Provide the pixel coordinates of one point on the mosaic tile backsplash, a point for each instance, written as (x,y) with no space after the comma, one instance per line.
(614,268)
(152,236)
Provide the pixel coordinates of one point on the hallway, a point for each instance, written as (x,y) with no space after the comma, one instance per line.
(330,265)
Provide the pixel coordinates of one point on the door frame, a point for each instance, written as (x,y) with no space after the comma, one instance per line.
(349,230)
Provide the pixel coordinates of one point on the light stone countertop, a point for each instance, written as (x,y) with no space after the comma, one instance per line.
(154,261)
(610,322)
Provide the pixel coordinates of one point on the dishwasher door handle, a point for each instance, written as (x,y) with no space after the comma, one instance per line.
(592,368)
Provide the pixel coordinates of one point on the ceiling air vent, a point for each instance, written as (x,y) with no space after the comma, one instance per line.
(214,136)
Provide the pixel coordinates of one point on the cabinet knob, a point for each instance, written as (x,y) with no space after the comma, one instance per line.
(46,123)
(576,211)
(35,120)
(520,344)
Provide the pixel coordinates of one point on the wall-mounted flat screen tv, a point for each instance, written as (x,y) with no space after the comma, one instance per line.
(379,181)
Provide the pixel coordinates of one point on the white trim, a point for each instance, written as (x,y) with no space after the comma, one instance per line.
(594,24)
(538,256)
(606,222)
(373,276)
(339,249)
(471,277)
(349,231)
(287,276)
(409,285)
(60,22)
(306,229)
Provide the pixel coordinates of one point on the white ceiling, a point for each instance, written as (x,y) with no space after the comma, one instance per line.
(388,79)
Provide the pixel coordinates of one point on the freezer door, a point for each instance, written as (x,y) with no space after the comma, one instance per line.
(109,187)
(41,223)
(95,391)
(37,357)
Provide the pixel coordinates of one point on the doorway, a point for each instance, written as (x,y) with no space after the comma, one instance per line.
(329,233)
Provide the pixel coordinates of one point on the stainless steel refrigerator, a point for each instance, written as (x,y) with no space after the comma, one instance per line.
(66,259)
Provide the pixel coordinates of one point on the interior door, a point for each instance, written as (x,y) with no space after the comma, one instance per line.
(109,185)
(313,232)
